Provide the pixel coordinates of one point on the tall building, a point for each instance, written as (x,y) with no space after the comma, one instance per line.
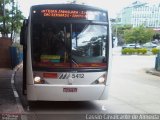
(139,13)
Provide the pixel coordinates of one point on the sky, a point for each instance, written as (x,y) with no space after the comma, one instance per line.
(113,6)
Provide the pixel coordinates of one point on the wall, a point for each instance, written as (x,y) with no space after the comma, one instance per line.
(5,59)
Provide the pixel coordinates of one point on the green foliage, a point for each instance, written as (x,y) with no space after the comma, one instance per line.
(124,51)
(11,20)
(138,35)
(122,29)
(143,51)
(127,51)
(131,51)
(119,30)
(139,51)
(155,51)
(156,36)
(17,21)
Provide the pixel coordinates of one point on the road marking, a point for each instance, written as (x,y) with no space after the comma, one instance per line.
(12,76)
(12,79)
(15,94)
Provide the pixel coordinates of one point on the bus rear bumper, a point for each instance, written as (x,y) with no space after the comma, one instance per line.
(66,92)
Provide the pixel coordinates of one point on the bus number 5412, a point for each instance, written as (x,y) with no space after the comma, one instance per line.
(77,75)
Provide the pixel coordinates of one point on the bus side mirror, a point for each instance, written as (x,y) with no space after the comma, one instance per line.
(23,32)
(113,40)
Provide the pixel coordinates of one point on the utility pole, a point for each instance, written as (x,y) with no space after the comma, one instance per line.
(4,22)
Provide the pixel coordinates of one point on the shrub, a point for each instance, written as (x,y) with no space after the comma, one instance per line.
(143,51)
(131,51)
(138,51)
(124,51)
(128,51)
(155,51)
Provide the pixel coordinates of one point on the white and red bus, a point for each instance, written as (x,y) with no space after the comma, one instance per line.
(67,53)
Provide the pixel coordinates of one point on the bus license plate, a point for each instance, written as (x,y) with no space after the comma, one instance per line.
(69,89)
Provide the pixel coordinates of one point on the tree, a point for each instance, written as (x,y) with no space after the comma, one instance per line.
(4,17)
(17,18)
(10,18)
(138,35)
(118,31)
(156,36)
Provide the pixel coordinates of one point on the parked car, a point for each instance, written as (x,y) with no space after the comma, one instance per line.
(149,45)
(132,45)
(155,41)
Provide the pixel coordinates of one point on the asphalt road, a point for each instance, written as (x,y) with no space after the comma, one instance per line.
(131,85)
(132,91)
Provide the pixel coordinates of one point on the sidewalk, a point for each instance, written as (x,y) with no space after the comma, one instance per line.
(5,72)
(7,99)
(153,72)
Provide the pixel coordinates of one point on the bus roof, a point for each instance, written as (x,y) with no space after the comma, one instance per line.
(67,6)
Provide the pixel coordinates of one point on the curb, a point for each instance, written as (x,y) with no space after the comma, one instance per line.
(153,72)
(20,108)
